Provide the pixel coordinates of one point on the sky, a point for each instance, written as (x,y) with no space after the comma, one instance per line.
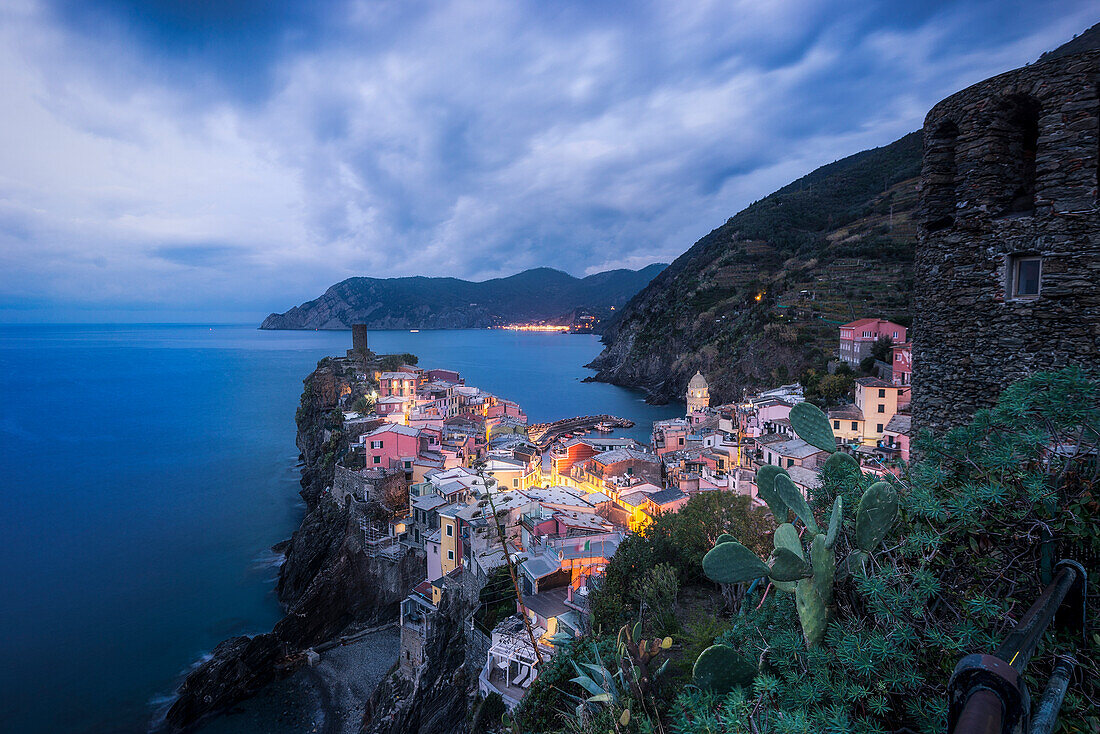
(217,160)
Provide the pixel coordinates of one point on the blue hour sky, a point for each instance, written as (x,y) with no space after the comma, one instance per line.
(221,159)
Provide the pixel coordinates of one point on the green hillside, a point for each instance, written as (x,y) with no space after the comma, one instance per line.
(757,300)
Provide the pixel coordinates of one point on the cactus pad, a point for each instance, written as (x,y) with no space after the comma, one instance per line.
(785,565)
(725,538)
(823,561)
(765,488)
(733,563)
(835,518)
(719,668)
(787,537)
(841,461)
(877,510)
(793,498)
(812,426)
(812,612)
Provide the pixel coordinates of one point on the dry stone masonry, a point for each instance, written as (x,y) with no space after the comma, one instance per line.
(1008,259)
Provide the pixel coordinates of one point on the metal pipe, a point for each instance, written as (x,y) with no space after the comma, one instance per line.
(1046,715)
(1020,643)
(982,714)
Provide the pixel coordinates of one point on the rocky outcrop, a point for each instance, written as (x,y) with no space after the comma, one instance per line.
(541,294)
(328,583)
(435,701)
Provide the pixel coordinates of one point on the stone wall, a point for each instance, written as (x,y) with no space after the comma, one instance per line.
(1010,170)
(368,485)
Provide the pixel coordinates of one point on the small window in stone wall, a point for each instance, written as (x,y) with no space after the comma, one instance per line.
(940,170)
(1024,276)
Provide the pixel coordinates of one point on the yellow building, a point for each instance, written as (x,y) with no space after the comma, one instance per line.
(878,402)
(450,541)
(847,424)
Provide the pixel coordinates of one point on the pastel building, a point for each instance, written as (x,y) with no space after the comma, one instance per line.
(857,338)
(698,394)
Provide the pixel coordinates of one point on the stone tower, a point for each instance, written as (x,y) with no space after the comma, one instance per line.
(698,394)
(1007,275)
(359,338)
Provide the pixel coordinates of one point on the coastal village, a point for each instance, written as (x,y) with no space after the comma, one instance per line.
(477,490)
(494,543)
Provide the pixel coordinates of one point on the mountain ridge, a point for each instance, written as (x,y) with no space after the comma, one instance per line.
(756,301)
(422,302)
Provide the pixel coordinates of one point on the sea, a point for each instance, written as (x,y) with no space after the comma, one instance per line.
(147,470)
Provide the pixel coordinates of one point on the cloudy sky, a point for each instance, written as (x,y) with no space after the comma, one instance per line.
(220,159)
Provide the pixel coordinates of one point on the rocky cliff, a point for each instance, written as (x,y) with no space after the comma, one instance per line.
(435,702)
(541,294)
(327,583)
(757,300)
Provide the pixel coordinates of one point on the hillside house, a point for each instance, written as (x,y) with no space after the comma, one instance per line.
(857,338)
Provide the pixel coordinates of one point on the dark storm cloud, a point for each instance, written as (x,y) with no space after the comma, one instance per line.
(306,142)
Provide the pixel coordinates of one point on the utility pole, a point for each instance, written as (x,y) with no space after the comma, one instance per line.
(508,559)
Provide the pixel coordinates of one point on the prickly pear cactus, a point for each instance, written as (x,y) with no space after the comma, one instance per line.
(842,461)
(725,538)
(823,561)
(878,508)
(765,488)
(793,498)
(786,565)
(812,426)
(812,612)
(720,668)
(835,518)
(733,563)
(787,537)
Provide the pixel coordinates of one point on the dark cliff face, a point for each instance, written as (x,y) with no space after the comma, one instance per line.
(756,301)
(435,702)
(326,583)
(450,303)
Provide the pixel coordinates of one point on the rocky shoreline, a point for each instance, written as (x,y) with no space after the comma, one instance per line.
(327,585)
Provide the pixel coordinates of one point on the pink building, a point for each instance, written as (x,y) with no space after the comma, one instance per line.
(857,337)
(902,363)
(396,446)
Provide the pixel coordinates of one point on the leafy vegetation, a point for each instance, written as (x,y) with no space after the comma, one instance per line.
(951,576)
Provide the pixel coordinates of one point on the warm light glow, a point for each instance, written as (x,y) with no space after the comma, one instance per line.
(535,327)
(759,296)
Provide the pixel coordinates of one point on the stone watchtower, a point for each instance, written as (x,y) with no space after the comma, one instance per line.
(698,394)
(1007,276)
(359,339)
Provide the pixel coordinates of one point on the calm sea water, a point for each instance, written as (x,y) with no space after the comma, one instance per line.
(145,472)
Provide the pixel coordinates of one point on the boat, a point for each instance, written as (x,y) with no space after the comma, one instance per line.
(414,331)
(604,427)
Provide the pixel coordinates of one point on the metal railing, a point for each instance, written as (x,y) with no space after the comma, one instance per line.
(987,693)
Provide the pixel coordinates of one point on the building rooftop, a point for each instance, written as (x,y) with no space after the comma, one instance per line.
(668,496)
(848,413)
(394,428)
(803,477)
(616,455)
(795,448)
(548,604)
(900,423)
(397,376)
(872,382)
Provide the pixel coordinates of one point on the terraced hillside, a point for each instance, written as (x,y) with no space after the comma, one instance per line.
(756,301)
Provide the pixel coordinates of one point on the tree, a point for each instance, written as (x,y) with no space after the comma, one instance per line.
(880,350)
(833,387)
